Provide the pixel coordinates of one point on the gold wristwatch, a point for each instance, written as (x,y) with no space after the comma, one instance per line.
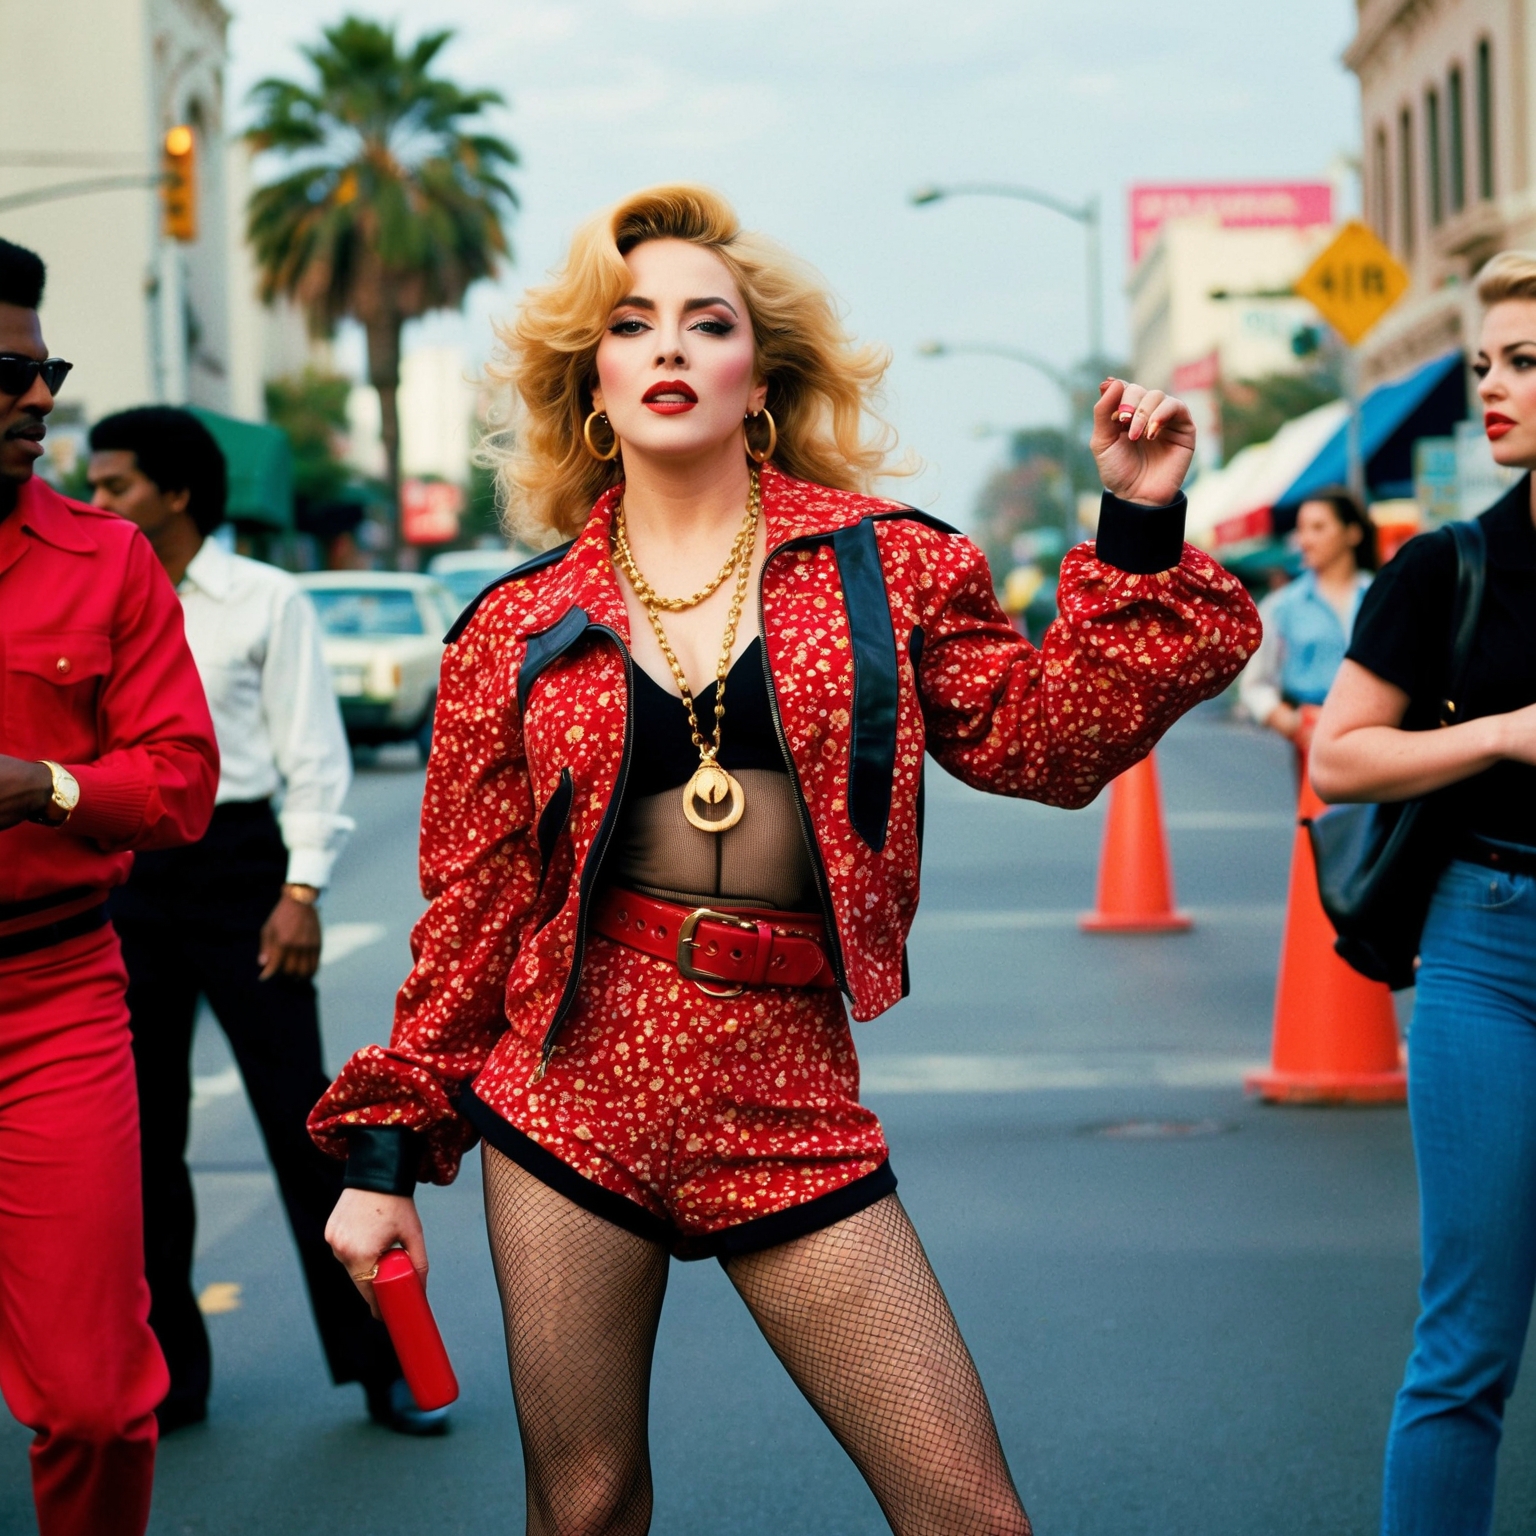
(65,797)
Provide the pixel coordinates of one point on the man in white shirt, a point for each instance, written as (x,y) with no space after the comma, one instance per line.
(234,918)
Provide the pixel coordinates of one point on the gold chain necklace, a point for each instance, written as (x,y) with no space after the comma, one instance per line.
(711,784)
(649,595)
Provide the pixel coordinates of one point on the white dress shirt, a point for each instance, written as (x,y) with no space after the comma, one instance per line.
(256,640)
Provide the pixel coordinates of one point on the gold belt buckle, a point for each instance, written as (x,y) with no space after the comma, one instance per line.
(687,942)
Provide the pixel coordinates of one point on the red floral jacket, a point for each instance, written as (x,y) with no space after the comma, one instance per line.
(883,641)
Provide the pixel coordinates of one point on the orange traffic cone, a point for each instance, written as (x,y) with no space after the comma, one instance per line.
(1135,879)
(1335,1038)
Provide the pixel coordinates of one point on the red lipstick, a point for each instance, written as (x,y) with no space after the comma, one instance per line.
(1496,425)
(669,398)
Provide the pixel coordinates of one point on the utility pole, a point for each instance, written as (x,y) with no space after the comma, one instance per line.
(1088,214)
(1074,393)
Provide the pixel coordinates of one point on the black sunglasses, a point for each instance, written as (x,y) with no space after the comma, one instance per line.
(18,373)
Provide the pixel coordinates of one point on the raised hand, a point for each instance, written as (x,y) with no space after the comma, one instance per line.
(1143,441)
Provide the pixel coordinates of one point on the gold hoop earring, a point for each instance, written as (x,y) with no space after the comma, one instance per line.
(773,436)
(591,447)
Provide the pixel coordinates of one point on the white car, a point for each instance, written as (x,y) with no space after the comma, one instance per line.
(468,572)
(384,645)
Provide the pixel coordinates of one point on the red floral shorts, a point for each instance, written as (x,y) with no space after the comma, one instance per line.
(714,1126)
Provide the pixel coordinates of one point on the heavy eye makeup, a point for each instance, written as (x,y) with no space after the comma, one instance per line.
(715,317)
(633,325)
(1522,361)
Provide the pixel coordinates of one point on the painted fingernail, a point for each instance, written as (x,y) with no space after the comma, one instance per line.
(1126,415)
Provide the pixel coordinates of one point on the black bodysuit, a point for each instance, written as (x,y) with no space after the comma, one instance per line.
(762,861)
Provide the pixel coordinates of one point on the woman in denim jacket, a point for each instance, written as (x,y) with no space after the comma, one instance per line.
(1308,623)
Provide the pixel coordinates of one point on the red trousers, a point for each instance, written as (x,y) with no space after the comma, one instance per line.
(78,1363)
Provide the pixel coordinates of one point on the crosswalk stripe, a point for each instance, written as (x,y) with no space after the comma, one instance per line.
(1254,915)
(1043,1072)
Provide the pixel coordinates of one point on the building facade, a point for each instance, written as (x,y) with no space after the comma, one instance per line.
(1212,267)
(1447,158)
(1203,289)
(91,88)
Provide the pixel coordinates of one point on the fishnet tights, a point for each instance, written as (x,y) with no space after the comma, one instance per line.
(854,1312)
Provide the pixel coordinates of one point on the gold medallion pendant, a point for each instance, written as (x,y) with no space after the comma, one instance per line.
(711,786)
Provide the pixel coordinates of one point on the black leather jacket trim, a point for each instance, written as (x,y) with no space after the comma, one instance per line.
(547,646)
(383,1158)
(872,748)
(1140,539)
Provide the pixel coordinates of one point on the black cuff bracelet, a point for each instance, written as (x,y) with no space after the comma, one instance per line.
(383,1158)
(1139,539)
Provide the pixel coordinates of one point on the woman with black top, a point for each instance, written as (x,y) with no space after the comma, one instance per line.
(1472,1062)
(673,816)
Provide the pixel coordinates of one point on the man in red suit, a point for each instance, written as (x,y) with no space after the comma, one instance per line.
(105,746)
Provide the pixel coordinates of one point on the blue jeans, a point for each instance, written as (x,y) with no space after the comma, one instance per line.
(1472,1097)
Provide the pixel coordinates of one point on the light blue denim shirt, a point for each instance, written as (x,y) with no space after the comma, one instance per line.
(1303,647)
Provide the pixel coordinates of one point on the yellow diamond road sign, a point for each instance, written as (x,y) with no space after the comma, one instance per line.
(1354,282)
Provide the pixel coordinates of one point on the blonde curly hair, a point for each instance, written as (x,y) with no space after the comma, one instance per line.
(822,386)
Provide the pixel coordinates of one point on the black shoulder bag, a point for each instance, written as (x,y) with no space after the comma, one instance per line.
(1377,865)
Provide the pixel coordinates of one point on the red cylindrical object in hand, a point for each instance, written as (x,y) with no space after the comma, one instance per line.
(413,1331)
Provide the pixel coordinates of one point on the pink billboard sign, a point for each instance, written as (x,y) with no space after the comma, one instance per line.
(1239,205)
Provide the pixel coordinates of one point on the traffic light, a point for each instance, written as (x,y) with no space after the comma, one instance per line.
(178,189)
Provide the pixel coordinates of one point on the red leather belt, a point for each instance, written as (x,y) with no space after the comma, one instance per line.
(730,950)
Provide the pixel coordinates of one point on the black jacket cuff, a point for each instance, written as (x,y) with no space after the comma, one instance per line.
(383,1158)
(1140,539)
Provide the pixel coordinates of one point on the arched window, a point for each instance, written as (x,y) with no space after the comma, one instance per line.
(1456,140)
(1381,186)
(1484,120)
(1433,151)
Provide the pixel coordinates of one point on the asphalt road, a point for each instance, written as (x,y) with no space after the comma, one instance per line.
(1197,1332)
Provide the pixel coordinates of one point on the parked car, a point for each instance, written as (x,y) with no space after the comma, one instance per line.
(383,641)
(468,572)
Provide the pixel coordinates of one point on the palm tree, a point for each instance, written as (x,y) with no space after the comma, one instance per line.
(393,205)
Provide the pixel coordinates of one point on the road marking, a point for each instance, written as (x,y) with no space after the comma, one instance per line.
(219,1085)
(221,1296)
(1040,1073)
(1231,821)
(1256,915)
(339,940)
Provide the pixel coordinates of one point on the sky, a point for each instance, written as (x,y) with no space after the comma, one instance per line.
(818,117)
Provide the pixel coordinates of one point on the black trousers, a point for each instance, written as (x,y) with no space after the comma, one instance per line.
(190,922)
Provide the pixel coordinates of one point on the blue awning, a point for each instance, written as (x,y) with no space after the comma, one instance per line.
(1393,417)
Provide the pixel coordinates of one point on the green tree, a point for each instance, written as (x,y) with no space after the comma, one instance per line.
(311,407)
(1033,490)
(1253,410)
(394,203)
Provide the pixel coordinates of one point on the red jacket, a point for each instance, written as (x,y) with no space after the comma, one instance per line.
(95,674)
(883,640)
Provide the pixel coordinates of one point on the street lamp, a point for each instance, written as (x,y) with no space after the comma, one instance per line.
(1058,376)
(1072,390)
(1086,214)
